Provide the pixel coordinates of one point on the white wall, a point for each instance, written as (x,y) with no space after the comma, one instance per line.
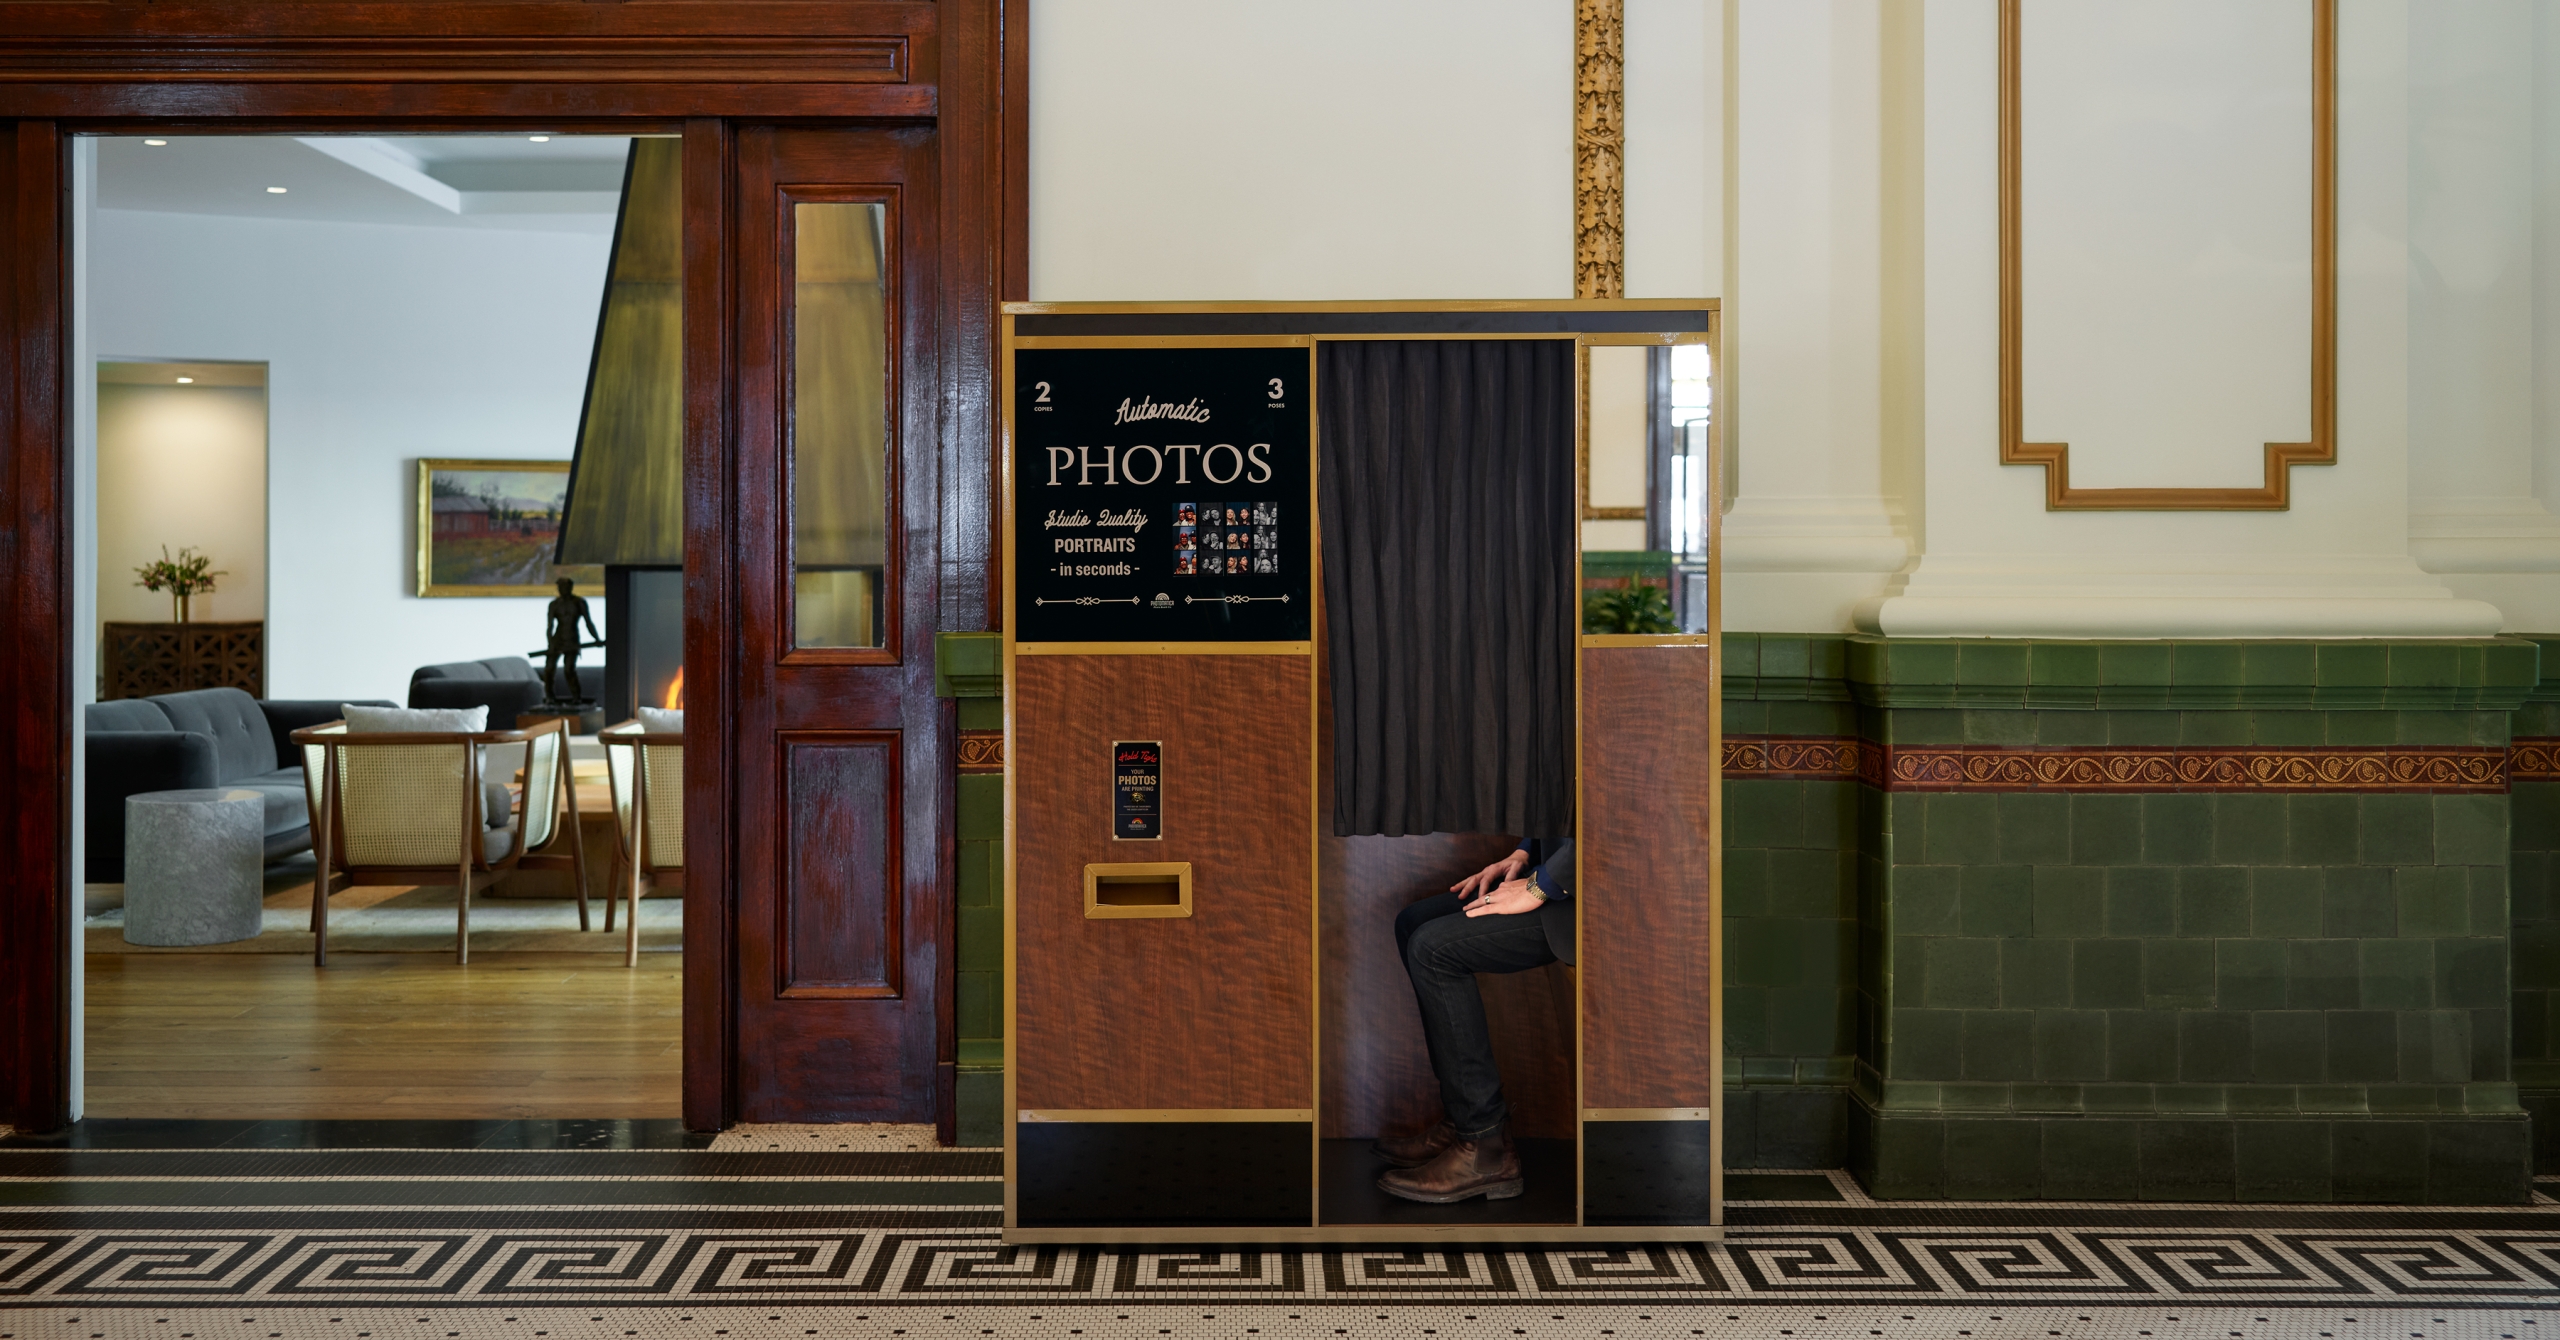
(182,467)
(1318,149)
(1674,151)
(2000,564)
(2482,304)
(384,344)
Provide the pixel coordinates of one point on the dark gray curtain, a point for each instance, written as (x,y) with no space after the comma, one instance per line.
(1447,494)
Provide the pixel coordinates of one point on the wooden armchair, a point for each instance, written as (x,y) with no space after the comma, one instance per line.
(646,771)
(412,808)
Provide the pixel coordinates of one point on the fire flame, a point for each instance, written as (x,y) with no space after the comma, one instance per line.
(675,690)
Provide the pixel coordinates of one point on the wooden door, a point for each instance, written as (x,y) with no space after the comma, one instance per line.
(841,930)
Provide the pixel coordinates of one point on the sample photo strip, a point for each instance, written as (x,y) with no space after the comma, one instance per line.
(1224,538)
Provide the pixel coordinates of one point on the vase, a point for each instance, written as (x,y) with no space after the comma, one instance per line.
(183,605)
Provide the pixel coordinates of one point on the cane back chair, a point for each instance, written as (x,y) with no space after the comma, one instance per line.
(646,770)
(413,808)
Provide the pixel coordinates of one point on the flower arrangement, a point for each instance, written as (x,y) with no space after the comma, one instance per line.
(183,577)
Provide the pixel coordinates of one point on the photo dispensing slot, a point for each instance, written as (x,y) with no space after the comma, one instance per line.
(1138,889)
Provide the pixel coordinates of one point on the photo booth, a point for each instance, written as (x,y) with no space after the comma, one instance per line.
(1295,599)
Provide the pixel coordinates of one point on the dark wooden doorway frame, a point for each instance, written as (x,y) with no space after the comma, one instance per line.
(353,66)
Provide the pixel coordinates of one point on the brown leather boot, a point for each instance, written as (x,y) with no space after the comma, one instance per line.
(1486,1166)
(1412,1151)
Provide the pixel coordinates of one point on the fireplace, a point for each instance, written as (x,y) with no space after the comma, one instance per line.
(643,639)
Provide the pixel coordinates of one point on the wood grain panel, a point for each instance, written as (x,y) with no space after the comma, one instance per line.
(1213,1010)
(954,71)
(844,1055)
(841,897)
(1646,921)
(35,667)
(1377,1074)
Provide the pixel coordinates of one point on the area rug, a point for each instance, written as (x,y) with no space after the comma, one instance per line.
(391,919)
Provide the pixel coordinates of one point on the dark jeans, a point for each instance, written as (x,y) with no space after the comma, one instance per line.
(1443,950)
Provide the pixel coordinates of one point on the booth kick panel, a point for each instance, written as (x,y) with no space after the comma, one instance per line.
(1212,1010)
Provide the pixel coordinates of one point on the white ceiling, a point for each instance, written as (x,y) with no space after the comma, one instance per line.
(572,183)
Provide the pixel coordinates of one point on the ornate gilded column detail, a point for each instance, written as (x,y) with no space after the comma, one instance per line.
(1599,149)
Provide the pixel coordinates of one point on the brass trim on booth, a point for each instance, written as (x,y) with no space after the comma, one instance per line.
(1178,873)
(1648,1114)
(1319,1231)
(2275,495)
(1162,341)
(1558,1231)
(1164,648)
(1646,338)
(1649,640)
(1164,1114)
(1363,305)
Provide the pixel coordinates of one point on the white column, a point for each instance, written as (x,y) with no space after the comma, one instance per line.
(1999,564)
(2473,300)
(1674,126)
(1815,524)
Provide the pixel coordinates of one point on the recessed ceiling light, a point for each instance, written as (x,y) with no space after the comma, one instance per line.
(182,381)
(161,143)
(539,139)
(275,190)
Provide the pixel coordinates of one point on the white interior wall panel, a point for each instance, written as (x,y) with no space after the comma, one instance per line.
(1319,149)
(384,344)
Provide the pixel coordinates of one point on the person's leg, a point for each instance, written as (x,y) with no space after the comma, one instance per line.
(1415,914)
(1442,956)
(1415,1148)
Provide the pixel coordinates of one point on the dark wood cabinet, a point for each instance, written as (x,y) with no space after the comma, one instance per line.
(137,660)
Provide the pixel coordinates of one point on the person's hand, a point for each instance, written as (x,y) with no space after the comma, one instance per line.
(1510,897)
(1482,882)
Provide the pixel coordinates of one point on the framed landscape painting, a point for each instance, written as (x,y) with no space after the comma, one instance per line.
(488,528)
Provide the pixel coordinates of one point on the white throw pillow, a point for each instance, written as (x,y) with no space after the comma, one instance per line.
(662,720)
(363,720)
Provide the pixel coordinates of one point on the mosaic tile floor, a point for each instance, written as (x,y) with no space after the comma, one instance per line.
(562,1230)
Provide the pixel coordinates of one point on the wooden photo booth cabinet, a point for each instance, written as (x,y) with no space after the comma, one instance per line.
(1206,1019)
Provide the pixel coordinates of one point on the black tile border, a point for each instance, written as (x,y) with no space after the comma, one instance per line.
(226,1193)
(393,1164)
(596,1133)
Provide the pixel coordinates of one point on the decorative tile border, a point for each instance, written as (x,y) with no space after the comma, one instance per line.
(2534,758)
(2127,768)
(982,751)
(2379,1265)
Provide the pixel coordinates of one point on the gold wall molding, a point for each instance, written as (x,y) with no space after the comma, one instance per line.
(1599,149)
(2275,494)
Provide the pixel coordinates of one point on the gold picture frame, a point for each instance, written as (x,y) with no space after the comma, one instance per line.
(2276,493)
(489,528)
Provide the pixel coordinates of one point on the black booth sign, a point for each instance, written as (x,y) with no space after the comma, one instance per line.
(1161,495)
(1137,789)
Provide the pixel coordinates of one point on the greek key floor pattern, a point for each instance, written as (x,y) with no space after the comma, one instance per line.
(518,1266)
(567,1240)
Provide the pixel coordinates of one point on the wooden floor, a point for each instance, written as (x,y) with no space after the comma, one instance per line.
(383,1036)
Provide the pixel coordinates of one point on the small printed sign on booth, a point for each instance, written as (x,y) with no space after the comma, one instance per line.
(1162,495)
(1137,787)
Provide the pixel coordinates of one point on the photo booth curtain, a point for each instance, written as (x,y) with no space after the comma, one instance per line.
(1448,495)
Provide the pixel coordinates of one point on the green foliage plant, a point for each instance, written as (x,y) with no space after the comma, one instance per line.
(1638,607)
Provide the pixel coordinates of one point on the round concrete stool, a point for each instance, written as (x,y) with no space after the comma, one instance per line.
(194,867)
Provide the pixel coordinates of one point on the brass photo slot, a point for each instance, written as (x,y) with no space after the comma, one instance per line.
(1138,889)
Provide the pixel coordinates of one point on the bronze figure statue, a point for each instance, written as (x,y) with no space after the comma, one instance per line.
(560,634)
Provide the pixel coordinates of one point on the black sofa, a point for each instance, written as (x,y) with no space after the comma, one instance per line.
(508,686)
(200,739)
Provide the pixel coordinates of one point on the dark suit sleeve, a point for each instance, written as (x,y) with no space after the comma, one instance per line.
(1555,873)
